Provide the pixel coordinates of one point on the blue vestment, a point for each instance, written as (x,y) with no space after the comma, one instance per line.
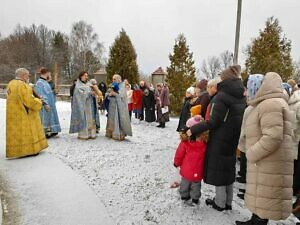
(118,121)
(49,118)
(82,116)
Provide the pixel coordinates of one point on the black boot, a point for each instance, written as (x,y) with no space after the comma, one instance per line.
(54,134)
(242,190)
(241,195)
(228,207)
(196,201)
(241,180)
(259,221)
(255,220)
(185,198)
(159,125)
(163,125)
(211,202)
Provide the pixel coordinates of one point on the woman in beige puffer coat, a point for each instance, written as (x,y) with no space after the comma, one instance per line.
(269,152)
(294,104)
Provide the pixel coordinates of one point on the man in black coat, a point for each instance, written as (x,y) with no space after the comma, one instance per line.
(149,105)
(224,125)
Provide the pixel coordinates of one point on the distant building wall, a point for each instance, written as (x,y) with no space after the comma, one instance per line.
(100,78)
(158,79)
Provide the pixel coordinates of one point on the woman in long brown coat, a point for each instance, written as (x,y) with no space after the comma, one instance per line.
(268,138)
(162,104)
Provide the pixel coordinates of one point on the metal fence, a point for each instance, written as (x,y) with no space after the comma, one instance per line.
(63,91)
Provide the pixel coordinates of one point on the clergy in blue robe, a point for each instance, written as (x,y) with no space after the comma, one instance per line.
(82,116)
(118,121)
(48,112)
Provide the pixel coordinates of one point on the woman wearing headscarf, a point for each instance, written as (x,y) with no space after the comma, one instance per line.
(267,142)
(252,85)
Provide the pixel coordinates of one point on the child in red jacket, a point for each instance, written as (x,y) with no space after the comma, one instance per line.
(137,100)
(189,157)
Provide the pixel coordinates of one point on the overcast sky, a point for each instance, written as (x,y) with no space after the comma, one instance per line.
(153,25)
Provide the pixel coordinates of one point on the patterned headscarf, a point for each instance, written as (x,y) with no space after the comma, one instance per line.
(253,84)
(287,88)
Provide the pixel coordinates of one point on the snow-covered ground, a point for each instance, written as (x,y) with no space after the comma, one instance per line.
(132,178)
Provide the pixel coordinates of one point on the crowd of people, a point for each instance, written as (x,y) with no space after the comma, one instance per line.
(260,117)
(37,105)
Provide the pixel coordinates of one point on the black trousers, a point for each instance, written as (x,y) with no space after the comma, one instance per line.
(243,165)
(296,183)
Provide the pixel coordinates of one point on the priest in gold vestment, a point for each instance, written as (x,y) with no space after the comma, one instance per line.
(24,131)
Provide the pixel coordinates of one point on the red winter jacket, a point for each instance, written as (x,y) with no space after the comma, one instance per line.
(137,99)
(190,158)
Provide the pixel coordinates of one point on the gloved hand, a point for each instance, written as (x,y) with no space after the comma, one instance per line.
(47,108)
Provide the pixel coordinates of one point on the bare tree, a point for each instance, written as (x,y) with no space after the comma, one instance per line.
(143,76)
(45,37)
(84,47)
(226,59)
(211,68)
(26,47)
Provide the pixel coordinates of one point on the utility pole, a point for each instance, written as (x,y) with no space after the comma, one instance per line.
(237,32)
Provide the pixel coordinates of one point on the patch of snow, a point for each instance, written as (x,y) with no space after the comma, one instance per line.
(42,190)
(133,177)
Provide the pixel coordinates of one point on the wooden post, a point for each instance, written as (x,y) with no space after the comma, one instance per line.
(55,79)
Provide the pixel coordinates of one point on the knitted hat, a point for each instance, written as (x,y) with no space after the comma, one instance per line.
(195,110)
(193,121)
(202,85)
(191,90)
(253,84)
(231,72)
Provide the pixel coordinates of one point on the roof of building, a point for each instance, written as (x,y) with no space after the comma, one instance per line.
(159,71)
(101,71)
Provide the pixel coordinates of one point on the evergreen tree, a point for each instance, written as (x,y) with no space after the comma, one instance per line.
(181,73)
(122,59)
(271,51)
(61,53)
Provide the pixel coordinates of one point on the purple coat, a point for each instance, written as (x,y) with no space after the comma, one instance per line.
(163,97)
